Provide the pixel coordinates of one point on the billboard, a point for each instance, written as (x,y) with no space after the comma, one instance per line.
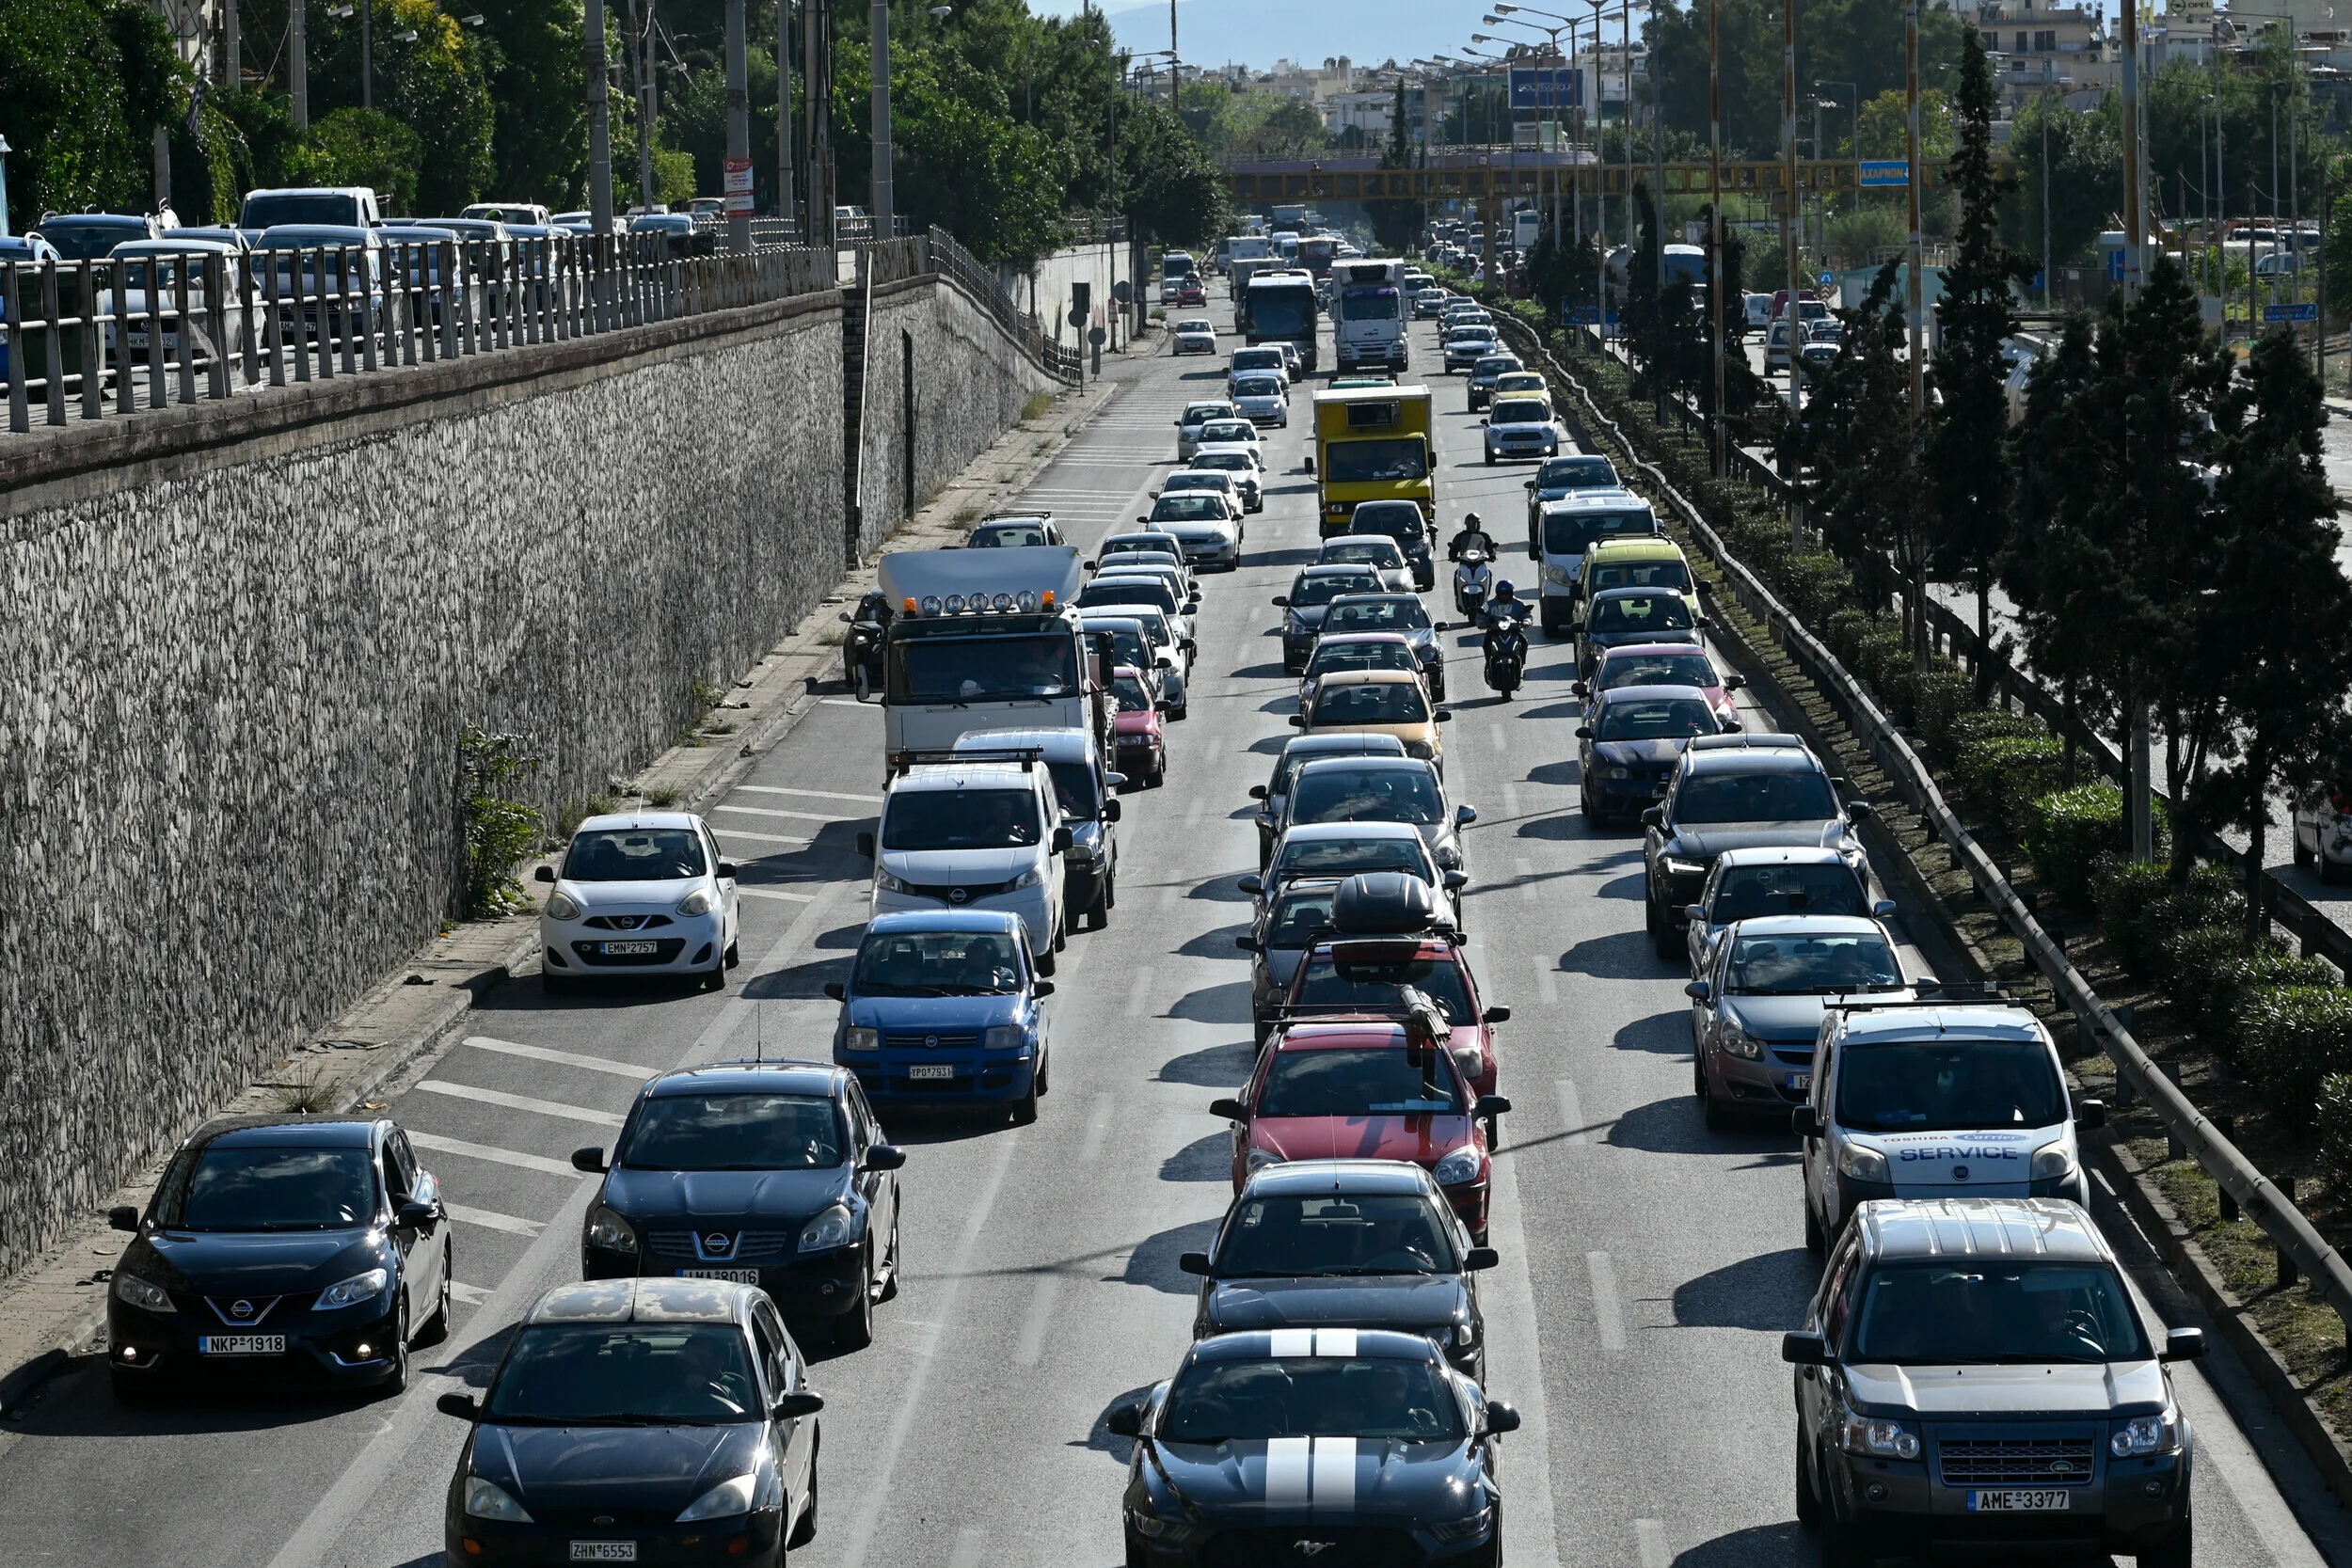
(1547,87)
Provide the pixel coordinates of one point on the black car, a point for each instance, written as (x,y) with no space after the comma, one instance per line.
(1279,1446)
(772,1174)
(1403,522)
(1309,597)
(1346,1243)
(1296,752)
(1286,926)
(1629,742)
(1733,792)
(643,1421)
(309,1249)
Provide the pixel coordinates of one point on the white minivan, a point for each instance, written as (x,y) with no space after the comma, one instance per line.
(1566,528)
(973,828)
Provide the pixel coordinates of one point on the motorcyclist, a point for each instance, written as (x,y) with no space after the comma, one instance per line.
(1473,536)
(1505,604)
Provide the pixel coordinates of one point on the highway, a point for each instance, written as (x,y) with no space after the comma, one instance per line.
(1649,1264)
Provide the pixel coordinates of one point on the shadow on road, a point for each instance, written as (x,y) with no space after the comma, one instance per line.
(1766,1294)
(1219,1067)
(1209,1159)
(1153,1261)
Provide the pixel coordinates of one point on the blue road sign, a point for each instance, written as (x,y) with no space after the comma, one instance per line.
(1829,279)
(2290,312)
(1879,173)
(1583,315)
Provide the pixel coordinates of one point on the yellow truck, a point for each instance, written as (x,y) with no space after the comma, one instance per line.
(1375,444)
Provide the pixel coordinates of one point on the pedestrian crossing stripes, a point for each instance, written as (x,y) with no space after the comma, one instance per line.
(521,1103)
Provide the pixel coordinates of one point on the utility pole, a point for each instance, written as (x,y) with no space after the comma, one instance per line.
(367,53)
(1917,251)
(298,64)
(644,37)
(1658,188)
(2134,228)
(1789,229)
(787,204)
(599,124)
(232,47)
(737,188)
(1715,218)
(2046,200)
(878,27)
(815,107)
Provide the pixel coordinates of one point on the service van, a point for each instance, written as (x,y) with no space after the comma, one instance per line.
(1566,528)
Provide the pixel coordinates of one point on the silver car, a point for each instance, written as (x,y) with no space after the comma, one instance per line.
(1206,525)
(1188,425)
(1375,550)
(1263,399)
(1241,464)
(1756,1008)
(1378,789)
(1749,884)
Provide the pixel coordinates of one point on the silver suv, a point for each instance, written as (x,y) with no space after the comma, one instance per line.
(1972,1371)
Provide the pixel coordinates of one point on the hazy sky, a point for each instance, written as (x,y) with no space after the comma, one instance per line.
(1256,33)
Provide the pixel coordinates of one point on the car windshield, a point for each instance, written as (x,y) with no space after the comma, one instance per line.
(1129,645)
(1748,891)
(1573,532)
(1639,612)
(1319,588)
(1690,669)
(981,669)
(1073,788)
(268,1187)
(1127,689)
(1398,520)
(981,818)
(995,535)
(626,1374)
(1190,480)
(1364,462)
(1577,473)
(1640,573)
(1787,964)
(1518,381)
(1361,1081)
(1656,719)
(1276,1238)
(635,855)
(1370,654)
(936,963)
(1341,857)
(1942,1312)
(1224,461)
(1257,359)
(1948,1085)
(1257,386)
(1298,916)
(1185,506)
(1335,792)
(1371,702)
(1227,429)
(734,1132)
(1199,412)
(1783,794)
(1127,590)
(1373,551)
(1378,982)
(1323,1396)
(1521,411)
(268,212)
(1393,614)
(88,242)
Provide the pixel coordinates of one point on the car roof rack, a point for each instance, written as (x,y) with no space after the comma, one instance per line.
(1028,756)
(1019,515)
(1763,739)
(1944,993)
(1424,1022)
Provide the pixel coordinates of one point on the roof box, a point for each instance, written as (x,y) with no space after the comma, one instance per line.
(1745,742)
(1376,902)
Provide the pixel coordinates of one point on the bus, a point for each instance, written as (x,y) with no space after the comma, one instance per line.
(1282,310)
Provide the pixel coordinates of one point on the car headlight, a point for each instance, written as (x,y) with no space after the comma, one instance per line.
(487,1499)
(1261,1158)
(1874,1437)
(722,1501)
(858,1038)
(143,1294)
(1458,1167)
(610,1231)
(2147,1434)
(834,1227)
(1863,1164)
(1005,1037)
(1470,1529)
(886,882)
(2052,1162)
(1676,866)
(359,1287)
(1614,770)
(1034,877)
(700,901)
(1176,1532)
(562,906)
(1740,1042)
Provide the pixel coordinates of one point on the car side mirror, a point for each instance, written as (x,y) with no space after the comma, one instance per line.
(807,1402)
(412,1215)
(1801,1349)
(866,844)
(1703,623)
(1298,720)
(1252,885)
(1126,1421)
(1806,1122)
(836,990)
(1192,1263)
(1585,732)
(1063,839)
(1257,792)
(123,1217)
(1699,991)
(2184,1344)
(1883,910)
(1494,1015)
(1141,518)
(1480,1258)
(545,874)
(1576,628)
(1230,1108)
(1281,601)
(1455,881)
(1445,715)
(1581,688)
(1860,808)
(1733,682)
(1498,1418)
(728,871)
(1248,944)
(2090,1113)
(843,618)
(464,1406)
(1491,1105)
(1653,816)
(1465,816)
(589,1162)
(885,1157)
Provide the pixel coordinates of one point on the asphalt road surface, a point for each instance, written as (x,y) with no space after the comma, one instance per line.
(1649,1264)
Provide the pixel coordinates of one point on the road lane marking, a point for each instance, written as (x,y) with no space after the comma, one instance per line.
(970,1548)
(564,1058)
(844,702)
(1547,978)
(491,1220)
(734,831)
(1191,812)
(1649,1536)
(472,1295)
(1503,740)
(1514,1356)
(1606,1311)
(774,893)
(1511,802)
(1032,1342)
(1139,993)
(1174,891)
(1525,870)
(522,1102)
(797,816)
(1571,1111)
(812,794)
(459,1147)
(1098,1129)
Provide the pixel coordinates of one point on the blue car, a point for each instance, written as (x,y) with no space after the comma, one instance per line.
(942,1007)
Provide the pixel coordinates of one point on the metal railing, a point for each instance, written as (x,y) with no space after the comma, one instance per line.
(980,281)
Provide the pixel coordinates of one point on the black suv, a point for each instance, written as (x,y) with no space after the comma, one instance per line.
(1733,792)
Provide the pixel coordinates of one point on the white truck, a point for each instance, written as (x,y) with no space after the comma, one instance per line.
(1370,313)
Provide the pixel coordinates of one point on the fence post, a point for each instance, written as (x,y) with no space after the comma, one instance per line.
(158,384)
(346,263)
(93,346)
(187,330)
(246,319)
(274,296)
(11,312)
(52,383)
(217,323)
(369,317)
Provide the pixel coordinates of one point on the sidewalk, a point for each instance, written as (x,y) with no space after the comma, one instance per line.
(56,1310)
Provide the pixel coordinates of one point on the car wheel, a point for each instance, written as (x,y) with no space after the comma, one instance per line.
(1816,1240)
(804,1527)
(1808,1501)
(1490,459)
(1138,1556)
(436,1327)
(1024,1108)
(1713,1112)
(1672,944)
(1157,778)
(735,951)
(396,1381)
(717,978)
(855,1329)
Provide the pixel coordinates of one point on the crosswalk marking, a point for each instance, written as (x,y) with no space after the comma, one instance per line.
(439,1145)
(798,815)
(734,831)
(776,892)
(491,1220)
(521,1103)
(813,794)
(471,1295)
(563,1058)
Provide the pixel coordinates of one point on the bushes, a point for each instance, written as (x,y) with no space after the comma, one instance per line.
(2334,1116)
(2066,833)
(2210,973)
(2291,1039)
(2005,774)
(2139,906)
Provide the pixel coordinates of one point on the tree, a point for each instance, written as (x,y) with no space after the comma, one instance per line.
(361,147)
(1883,130)
(2084,179)
(1174,193)
(534,59)
(83,84)
(1840,41)
(1397,221)
(1860,447)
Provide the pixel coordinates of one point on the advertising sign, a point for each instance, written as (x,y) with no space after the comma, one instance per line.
(1547,87)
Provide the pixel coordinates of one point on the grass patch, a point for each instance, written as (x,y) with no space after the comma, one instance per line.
(662,797)
(1038,406)
(307,1093)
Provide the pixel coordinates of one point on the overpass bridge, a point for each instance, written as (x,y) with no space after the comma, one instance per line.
(1473,174)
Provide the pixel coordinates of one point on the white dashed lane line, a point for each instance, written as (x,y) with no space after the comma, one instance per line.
(464,1150)
(812,794)
(564,1058)
(522,1102)
(488,1220)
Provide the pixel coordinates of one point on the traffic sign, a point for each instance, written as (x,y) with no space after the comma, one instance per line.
(2290,312)
(1879,173)
(1583,315)
(1829,279)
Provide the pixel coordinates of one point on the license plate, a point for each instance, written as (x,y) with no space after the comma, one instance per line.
(240,1344)
(1800,1083)
(604,1551)
(2020,1502)
(931,1070)
(614,950)
(733,1276)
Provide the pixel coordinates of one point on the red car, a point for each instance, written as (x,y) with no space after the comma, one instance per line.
(1369,976)
(1190,294)
(1138,741)
(1665,664)
(1367,1088)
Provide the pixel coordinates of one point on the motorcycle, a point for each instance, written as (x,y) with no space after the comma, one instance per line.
(862,646)
(1506,648)
(1473,580)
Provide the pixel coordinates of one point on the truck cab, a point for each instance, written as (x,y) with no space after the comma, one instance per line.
(1374,444)
(1370,313)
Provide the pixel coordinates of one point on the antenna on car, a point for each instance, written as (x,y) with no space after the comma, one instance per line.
(760,1033)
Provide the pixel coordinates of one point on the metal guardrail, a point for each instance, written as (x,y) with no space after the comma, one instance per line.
(2262,1202)
(980,281)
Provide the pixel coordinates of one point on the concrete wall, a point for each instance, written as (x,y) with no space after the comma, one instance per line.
(1095,264)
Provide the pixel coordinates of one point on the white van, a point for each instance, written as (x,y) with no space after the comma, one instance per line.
(1566,528)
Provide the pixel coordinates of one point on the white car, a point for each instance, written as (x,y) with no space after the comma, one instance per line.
(2323,830)
(1266,359)
(1375,551)
(1195,336)
(983,834)
(1206,525)
(1233,432)
(1263,399)
(1188,425)
(1522,427)
(1234,459)
(1214,480)
(642,892)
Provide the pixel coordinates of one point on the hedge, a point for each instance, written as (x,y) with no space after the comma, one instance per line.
(2139,906)
(2066,833)
(2334,1117)
(2209,972)
(2289,1038)
(2005,774)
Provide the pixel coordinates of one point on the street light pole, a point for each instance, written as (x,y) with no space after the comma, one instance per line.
(878,27)
(1911,73)
(1715,215)
(298,64)
(736,188)
(1788,232)
(367,53)
(599,124)
(787,204)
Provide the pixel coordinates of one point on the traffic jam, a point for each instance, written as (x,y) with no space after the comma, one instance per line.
(1972,1368)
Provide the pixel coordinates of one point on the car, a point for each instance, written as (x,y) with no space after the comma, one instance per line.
(1378,1087)
(1628,745)
(1014,529)
(1378,789)
(1558,478)
(1228,458)
(93,236)
(1397,612)
(1171,290)
(1750,884)
(1975,1372)
(1758,310)
(1818,358)
(1383,702)
(1191,294)
(1776,347)
(639,894)
(978,830)
(1665,664)
(1428,302)
(1404,522)
(1370,550)
(1142,541)
(1482,375)
(1131,646)
(1262,359)
(1358,650)
(1465,347)
(1233,430)
(659,1420)
(1382,974)
(1529,383)
(1344,848)
(214,1287)
(1624,615)
(1637,562)
(2321,828)
(1731,792)
(1189,425)
(1295,755)
(1216,481)
(772,1173)
(1140,595)
(1942,1097)
(1290,919)
(1084,787)
(1311,594)
(1263,399)
(1522,427)
(1195,336)
(1206,524)
(1344,1243)
(1262,1440)
(1141,744)
(1757,1008)
(1825,330)
(1170,641)
(1568,529)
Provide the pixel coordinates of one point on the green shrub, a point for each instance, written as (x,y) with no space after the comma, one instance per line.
(2140,908)
(2004,774)
(2207,969)
(2067,831)
(2290,1040)
(1939,695)
(2334,1117)
(497,831)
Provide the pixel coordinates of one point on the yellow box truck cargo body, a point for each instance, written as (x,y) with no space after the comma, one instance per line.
(1375,443)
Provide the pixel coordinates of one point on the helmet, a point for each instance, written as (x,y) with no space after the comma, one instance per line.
(1504,589)
(1470,520)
